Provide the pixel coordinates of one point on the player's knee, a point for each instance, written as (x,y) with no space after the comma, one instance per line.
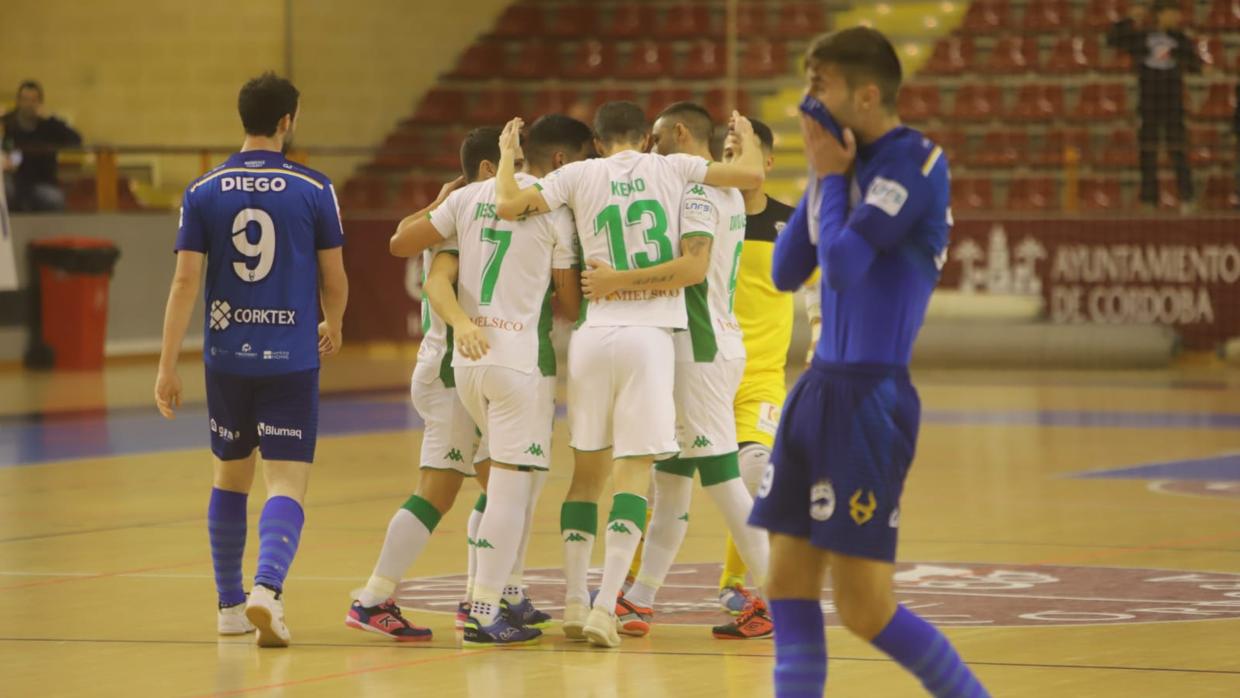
(754,459)
(865,615)
(287,479)
(439,487)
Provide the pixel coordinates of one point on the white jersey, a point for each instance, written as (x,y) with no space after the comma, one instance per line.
(713,329)
(435,351)
(625,207)
(504,284)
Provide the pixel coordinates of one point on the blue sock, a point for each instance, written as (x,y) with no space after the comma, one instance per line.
(800,648)
(925,652)
(279,532)
(226,529)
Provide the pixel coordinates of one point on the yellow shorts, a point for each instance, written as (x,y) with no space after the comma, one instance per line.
(759,402)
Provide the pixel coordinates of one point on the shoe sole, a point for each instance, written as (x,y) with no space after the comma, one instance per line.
(634,628)
(358,625)
(599,637)
(262,620)
(743,637)
(523,643)
(235,633)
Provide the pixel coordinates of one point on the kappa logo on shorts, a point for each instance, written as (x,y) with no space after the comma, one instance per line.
(535,450)
(862,513)
(455,456)
(470,541)
(821,500)
(483,544)
(702,442)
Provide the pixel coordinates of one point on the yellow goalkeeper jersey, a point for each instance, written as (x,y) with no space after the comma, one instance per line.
(764,312)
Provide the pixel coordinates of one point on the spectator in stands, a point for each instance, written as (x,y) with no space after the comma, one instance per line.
(1161,55)
(30,141)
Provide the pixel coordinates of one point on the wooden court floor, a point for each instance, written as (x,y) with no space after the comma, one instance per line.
(1122,583)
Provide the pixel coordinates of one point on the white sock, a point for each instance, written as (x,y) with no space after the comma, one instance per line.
(735,503)
(624,534)
(471,533)
(578,524)
(499,535)
(406,537)
(517,578)
(664,535)
(753,460)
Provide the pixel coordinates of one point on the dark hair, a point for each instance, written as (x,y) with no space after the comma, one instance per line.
(553,132)
(694,117)
(764,134)
(717,139)
(30,85)
(621,122)
(862,55)
(265,100)
(480,144)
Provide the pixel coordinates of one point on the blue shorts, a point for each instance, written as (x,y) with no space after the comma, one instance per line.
(279,415)
(843,449)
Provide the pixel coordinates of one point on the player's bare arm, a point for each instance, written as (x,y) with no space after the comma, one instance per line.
(747,170)
(440,290)
(567,283)
(181,296)
(689,269)
(512,203)
(415,234)
(333,296)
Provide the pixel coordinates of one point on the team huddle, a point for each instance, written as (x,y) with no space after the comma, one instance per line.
(657,241)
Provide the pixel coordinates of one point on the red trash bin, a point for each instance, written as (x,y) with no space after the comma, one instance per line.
(71,276)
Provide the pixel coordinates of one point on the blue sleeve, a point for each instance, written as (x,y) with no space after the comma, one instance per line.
(846,259)
(795,256)
(891,207)
(328,231)
(191,235)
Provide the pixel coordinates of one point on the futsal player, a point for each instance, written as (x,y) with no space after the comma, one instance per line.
(270,232)
(831,499)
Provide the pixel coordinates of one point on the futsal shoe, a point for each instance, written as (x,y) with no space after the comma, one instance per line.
(266,611)
(232,621)
(575,614)
(524,614)
(462,615)
(633,620)
(501,633)
(732,599)
(386,620)
(753,622)
(600,628)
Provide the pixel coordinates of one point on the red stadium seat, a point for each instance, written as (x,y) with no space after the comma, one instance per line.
(1047,16)
(1205,147)
(988,17)
(972,194)
(1120,150)
(1220,194)
(403,149)
(657,100)
(704,62)
(952,142)
(952,55)
(1101,103)
(919,103)
(553,102)
(365,193)
(1012,55)
(764,59)
(751,19)
(1038,103)
(572,21)
(802,19)
(481,61)
(1033,195)
(1101,14)
(1071,55)
(446,155)
(1053,151)
(602,97)
(441,106)
(534,60)
(496,107)
(716,104)
(1116,61)
(1002,149)
(685,20)
(519,21)
(1219,102)
(1223,15)
(977,102)
(648,60)
(632,20)
(415,193)
(1168,195)
(592,60)
(1101,195)
(1212,51)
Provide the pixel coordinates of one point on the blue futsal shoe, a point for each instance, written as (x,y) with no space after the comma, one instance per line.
(524,614)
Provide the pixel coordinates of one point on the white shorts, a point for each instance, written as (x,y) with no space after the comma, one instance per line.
(515,411)
(705,417)
(450,439)
(620,390)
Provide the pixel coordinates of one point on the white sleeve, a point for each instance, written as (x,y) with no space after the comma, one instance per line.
(690,168)
(564,253)
(451,244)
(557,188)
(443,218)
(699,215)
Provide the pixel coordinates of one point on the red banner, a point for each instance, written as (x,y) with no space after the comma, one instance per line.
(1181,272)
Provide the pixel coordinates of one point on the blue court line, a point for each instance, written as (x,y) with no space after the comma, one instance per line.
(34,439)
(1223,467)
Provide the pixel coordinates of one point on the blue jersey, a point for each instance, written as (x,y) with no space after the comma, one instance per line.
(880,256)
(261,220)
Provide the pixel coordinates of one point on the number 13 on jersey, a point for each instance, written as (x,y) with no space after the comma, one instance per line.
(641,211)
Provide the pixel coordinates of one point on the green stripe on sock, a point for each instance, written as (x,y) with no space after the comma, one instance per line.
(481,505)
(580,516)
(684,467)
(715,470)
(628,507)
(424,510)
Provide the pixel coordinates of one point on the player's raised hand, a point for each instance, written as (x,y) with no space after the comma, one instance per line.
(510,138)
(471,341)
(826,154)
(741,126)
(330,339)
(599,280)
(168,393)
